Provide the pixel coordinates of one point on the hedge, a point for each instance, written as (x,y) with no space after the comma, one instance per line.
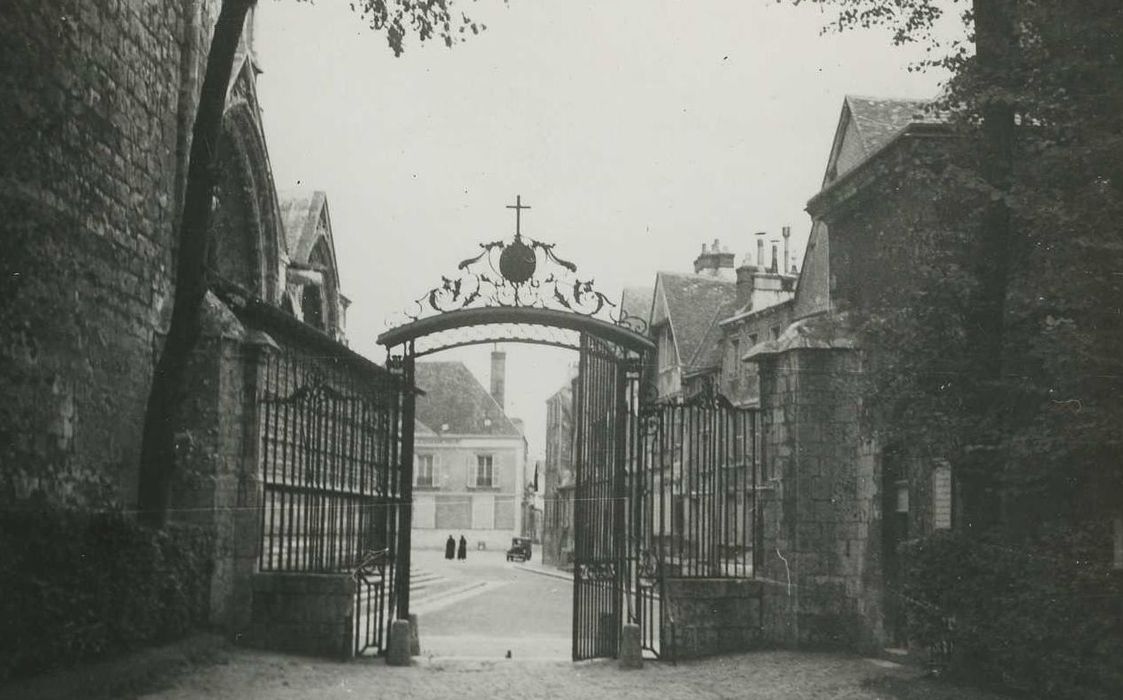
(78,586)
(1042,617)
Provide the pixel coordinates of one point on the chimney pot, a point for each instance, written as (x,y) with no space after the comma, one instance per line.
(787,236)
(498,375)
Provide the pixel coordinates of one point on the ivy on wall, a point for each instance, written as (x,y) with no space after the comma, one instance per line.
(80,586)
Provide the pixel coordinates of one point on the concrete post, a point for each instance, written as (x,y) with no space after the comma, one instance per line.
(631,649)
(414,636)
(398,652)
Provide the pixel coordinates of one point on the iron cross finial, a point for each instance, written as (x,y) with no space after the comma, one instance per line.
(518,207)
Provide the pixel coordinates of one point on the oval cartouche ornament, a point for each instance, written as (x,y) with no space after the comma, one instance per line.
(517,262)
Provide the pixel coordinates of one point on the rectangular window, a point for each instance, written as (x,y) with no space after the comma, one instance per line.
(775,332)
(941,497)
(484,471)
(424,470)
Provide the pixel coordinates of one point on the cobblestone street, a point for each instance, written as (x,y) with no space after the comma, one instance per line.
(249,675)
(485,606)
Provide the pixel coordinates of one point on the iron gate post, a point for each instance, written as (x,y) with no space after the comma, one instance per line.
(405,475)
(618,499)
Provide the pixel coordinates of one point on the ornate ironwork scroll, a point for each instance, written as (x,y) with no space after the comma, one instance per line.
(522,272)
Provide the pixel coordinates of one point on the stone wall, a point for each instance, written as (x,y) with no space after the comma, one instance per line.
(94,99)
(304,613)
(821,505)
(216,477)
(711,616)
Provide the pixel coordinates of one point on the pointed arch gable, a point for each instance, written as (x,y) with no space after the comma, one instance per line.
(255,235)
(311,249)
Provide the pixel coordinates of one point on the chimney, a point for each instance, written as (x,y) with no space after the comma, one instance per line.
(498,371)
(715,262)
(775,266)
(760,249)
(787,235)
(746,279)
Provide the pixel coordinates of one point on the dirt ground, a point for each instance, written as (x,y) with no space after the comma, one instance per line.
(249,675)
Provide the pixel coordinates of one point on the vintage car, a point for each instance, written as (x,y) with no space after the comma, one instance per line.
(520,549)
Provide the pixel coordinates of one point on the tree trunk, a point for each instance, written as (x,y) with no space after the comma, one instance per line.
(157,459)
(995,46)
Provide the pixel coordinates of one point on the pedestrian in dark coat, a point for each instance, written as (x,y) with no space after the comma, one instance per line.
(450,548)
(463,552)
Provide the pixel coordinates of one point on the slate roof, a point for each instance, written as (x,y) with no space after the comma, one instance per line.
(454,397)
(636,302)
(695,304)
(878,120)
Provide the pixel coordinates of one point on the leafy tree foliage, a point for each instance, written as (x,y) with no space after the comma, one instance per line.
(1050,416)
(1030,407)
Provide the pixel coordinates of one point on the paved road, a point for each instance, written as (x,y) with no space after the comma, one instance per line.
(507,608)
(493,607)
(254,675)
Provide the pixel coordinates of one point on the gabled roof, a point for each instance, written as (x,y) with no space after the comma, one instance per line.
(454,397)
(694,305)
(301,211)
(636,302)
(879,119)
(866,125)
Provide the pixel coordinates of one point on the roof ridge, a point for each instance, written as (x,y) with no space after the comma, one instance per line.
(874,98)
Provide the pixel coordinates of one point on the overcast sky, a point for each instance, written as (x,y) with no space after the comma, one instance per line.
(635,129)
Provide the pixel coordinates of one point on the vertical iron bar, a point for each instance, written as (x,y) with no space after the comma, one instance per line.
(406,483)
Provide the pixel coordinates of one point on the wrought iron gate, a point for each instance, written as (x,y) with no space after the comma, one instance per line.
(694,505)
(332,488)
(601,418)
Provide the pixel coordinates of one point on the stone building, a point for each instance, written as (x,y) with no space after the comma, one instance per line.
(701,321)
(98,103)
(833,513)
(558,479)
(470,459)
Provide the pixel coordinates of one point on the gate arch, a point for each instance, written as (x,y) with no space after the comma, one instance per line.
(521,291)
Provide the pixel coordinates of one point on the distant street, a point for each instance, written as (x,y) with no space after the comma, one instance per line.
(484,607)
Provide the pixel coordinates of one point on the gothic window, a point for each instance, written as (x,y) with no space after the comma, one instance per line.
(312,306)
(233,254)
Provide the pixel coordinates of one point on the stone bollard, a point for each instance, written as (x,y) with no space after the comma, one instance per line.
(398,652)
(631,651)
(414,636)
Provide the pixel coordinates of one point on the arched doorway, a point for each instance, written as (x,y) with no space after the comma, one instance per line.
(521,291)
